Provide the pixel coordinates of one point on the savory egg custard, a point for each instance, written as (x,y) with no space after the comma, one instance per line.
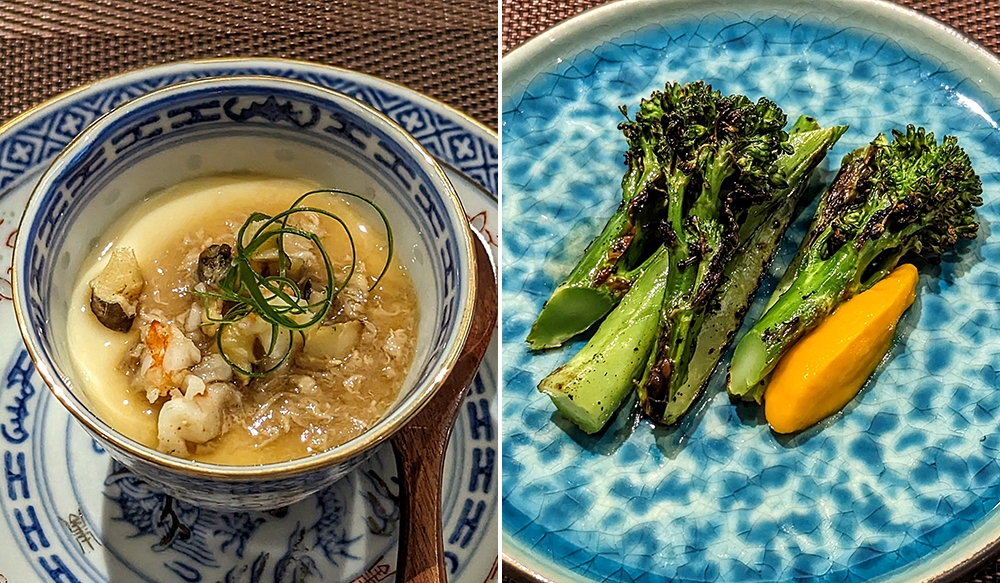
(243,320)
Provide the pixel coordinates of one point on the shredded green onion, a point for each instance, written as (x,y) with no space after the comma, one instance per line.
(278,299)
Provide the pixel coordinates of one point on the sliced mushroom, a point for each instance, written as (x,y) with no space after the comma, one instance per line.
(214,262)
(114,293)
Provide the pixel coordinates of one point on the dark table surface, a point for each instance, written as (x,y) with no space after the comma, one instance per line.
(446,49)
(977,19)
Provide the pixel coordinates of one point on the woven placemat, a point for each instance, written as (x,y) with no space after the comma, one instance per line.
(977,19)
(446,49)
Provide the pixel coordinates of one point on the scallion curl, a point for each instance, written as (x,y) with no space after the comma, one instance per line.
(282,299)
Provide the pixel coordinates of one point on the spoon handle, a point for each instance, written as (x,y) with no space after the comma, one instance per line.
(421,445)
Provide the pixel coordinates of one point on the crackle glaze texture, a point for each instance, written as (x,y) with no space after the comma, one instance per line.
(907,468)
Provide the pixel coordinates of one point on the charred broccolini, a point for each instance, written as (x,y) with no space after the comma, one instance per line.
(693,336)
(908,195)
(706,174)
(685,133)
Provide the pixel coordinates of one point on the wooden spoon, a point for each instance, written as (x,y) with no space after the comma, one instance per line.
(420,445)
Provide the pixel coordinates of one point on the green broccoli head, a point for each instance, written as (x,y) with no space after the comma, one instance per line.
(941,190)
(719,152)
(907,195)
(724,144)
(685,118)
(755,133)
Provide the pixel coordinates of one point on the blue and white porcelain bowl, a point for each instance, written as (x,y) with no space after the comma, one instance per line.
(266,126)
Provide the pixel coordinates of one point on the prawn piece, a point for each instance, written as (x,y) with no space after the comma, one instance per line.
(194,416)
(166,355)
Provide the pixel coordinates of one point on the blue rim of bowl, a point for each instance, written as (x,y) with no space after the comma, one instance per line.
(526,54)
(384,429)
(421,98)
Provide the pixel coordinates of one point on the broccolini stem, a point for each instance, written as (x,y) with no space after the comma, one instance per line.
(742,278)
(810,298)
(592,385)
(589,292)
(697,254)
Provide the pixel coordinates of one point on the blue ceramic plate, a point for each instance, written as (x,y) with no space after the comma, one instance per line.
(69,514)
(903,484)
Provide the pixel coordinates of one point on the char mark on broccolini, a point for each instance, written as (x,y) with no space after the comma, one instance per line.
(682,366)
(909,195)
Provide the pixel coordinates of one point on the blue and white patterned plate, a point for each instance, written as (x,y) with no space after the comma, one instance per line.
(69,514)
(901,486)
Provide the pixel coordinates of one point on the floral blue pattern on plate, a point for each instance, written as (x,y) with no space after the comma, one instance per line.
(901,484)
(68,513)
